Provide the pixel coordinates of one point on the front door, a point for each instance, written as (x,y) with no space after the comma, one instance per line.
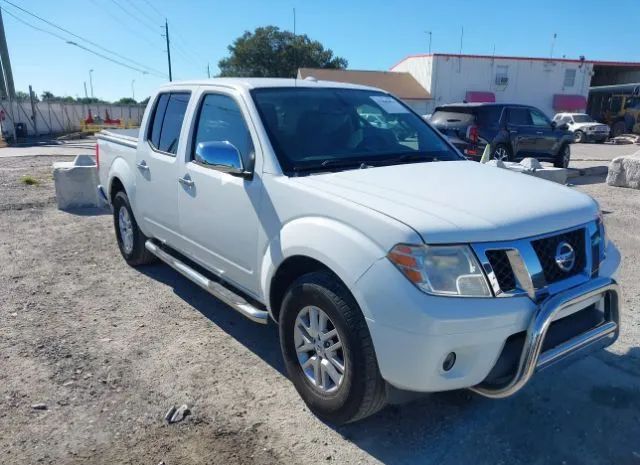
(219,210)
(546,138)
(156,197)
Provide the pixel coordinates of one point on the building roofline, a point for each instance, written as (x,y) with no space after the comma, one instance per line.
(506,57)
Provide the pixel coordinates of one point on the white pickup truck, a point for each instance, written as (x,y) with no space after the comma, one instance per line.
(388,261)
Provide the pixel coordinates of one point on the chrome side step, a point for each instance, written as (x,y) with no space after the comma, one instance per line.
(214,288)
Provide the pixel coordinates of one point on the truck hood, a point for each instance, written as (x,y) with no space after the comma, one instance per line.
(460,201)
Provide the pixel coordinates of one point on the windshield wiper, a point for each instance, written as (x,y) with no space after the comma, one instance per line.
(333,163)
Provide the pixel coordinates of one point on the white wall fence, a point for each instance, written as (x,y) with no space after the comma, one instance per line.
(57,118)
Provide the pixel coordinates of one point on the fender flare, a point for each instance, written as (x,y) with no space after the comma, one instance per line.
(346,251)
(120,169)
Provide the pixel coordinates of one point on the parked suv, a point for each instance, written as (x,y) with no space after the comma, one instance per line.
(513,131)
(583,127)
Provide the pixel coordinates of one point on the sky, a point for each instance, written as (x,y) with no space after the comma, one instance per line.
(373,34)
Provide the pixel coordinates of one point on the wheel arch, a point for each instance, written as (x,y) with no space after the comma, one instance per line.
(121,177)
(311,244)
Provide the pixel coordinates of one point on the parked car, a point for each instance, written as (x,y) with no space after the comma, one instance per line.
(388,266)
(514,132)
(583,127)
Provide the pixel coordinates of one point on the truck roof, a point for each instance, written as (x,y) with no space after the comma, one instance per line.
(257,83)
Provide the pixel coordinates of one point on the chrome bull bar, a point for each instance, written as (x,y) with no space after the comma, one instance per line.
(532,360)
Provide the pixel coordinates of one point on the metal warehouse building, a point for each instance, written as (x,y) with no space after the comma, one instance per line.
(552,85)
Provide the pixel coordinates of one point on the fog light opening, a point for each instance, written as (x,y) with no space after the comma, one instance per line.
(449,361)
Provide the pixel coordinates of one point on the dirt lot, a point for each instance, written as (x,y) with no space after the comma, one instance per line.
(108,349)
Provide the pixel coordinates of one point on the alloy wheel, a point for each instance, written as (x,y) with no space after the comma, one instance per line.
(319,349)
(126,229)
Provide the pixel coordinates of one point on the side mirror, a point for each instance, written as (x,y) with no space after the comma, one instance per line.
(554,124)
(220,155)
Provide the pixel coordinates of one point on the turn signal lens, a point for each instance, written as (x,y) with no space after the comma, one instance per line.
(450,270)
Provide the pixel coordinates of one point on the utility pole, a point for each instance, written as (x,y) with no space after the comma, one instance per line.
(208,71)
(133,90)
(553,44)
(86,95)
(430,37)
(91,81)
(33,111)
(166,36)
(6,76)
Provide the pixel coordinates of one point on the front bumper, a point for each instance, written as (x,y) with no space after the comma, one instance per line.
(414,332)
(596,136)
(533,358)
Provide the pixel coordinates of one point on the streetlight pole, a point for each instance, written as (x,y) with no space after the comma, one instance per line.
(133,91)
(91,81)
(430,37)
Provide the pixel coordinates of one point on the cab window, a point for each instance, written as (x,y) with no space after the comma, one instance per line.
(168,116)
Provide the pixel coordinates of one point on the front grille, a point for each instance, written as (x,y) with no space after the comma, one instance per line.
(502,269)
(546,250)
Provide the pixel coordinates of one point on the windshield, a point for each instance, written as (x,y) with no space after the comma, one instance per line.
(582,119)
(327,129)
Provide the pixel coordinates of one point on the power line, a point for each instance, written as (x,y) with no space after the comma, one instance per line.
(154,9)
(58,36)
(135,16)
(121,24)
(178,42)
(80,37)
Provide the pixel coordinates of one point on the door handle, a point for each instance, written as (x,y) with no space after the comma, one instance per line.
(186,181)
(540,133)
(513,131)
(143,165)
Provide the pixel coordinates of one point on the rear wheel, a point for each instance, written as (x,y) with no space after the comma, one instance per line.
(130,238)
(501,152)
(328,351)
(578,137)
(563,158)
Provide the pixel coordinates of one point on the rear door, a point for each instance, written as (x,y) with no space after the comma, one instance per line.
(521,132)
(156,167)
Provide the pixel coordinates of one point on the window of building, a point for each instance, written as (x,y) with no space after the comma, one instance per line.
(168,117)
(569,77)
(502,75)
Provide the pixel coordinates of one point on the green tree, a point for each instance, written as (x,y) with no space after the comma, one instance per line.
(145,101)
(270,52)
(46,95)
(126,101)
(22,96)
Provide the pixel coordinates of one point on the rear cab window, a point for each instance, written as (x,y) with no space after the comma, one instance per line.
(168,116)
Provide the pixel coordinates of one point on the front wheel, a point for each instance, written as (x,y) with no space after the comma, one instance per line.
(130,238)
(328,351)
(563,158)
(578,137)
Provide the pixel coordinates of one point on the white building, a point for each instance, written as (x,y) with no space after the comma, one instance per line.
(552,85)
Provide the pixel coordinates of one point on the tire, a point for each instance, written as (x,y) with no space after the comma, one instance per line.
(501,152)
(578,137)
(618,129)
(563,158)
(132,247)
(361,390)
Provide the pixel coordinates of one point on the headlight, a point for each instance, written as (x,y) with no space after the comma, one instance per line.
(450,270)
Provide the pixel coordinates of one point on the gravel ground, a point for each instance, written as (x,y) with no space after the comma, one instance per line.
(108,349)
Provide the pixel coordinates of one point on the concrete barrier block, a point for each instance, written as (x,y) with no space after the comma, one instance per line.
(76,183)
(559,175)
(625,171)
